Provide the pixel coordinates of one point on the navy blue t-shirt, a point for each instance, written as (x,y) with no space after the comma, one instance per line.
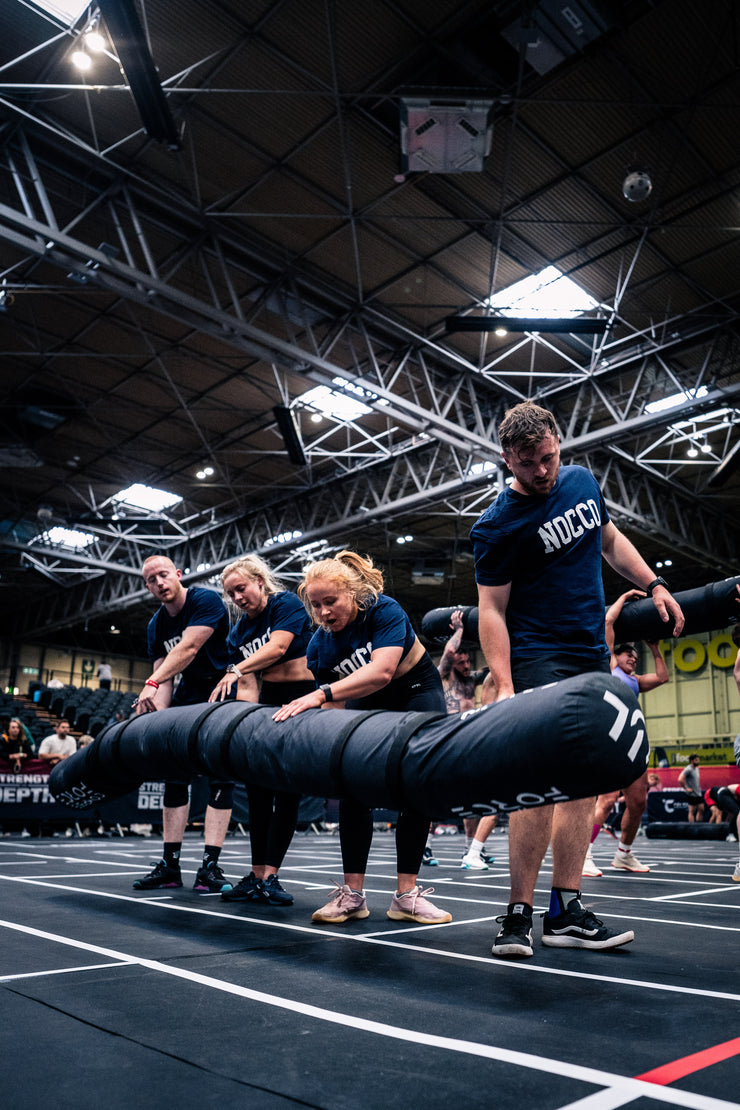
(549,549)
(205,608)
(284,612)
(334,655)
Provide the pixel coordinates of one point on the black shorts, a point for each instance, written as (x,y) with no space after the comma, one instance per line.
(280,693)
(420,688)
(530,671)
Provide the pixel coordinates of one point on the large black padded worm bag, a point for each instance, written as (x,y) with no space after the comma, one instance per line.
(706,609)
(570,739)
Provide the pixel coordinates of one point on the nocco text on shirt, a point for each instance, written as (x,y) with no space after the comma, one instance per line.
(359,658)
(255,644)
(563,529)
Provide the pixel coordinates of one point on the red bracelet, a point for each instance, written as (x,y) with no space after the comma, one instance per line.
(151,682)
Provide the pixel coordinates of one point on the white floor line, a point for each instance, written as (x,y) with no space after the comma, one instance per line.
(696,893)
(22,862)
(609,1099)
(65,970)
(331,934)
(691,1100)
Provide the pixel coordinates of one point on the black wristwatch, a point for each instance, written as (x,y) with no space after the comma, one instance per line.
(326,691)
(656,582)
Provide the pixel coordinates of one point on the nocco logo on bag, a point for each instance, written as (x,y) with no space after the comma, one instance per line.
(80,796)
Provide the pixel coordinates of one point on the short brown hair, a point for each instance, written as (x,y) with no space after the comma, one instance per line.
(526,425)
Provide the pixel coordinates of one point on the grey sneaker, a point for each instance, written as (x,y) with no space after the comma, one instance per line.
(344,905)
(413,906)
(736,874)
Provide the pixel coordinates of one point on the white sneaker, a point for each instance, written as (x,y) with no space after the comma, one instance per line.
(473,863)
(590,870)
(731,839)
(626,861)
(736,874)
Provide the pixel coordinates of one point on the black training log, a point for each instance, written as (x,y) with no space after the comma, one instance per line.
(706,609)
(572,739)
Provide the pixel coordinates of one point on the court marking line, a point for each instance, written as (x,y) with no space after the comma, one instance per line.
(452,897)
(694,893)
(594,1076)
(318,886)
(318,932)
(609,1099)
(329,884)
(687,1065)
(64,970)
(195,860)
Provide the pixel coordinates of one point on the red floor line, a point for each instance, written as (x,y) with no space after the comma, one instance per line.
(669,1073)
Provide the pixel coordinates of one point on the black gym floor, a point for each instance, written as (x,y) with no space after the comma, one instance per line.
(114,998)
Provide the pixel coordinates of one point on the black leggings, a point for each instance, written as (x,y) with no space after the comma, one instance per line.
(273,814)
(421,689)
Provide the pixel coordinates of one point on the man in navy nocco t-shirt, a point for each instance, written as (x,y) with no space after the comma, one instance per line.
(202,608)
(331,655)
(283,612)
(549,549)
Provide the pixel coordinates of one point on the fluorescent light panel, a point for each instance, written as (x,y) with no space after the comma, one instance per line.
(139,496)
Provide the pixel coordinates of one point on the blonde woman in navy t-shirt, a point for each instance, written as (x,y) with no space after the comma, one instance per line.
(366,655)
(269,639)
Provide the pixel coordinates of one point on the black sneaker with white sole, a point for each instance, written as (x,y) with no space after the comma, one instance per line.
(161,878)
(578,927)
(515,939)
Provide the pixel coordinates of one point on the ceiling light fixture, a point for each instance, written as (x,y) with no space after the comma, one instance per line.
(81,60)
(130,44)
(92,37)
(637,185)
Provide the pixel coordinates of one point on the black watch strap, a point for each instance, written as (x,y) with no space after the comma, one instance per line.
(326,690)
(656,582)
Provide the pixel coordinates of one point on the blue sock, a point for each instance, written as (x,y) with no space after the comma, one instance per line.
(559,899)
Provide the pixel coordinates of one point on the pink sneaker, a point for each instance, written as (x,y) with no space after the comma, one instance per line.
(413,906)
(344,905)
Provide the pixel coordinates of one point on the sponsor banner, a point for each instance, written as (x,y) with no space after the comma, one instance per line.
(668,805)
(26,797)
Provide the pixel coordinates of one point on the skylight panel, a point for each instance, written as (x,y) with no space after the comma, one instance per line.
(546,294)
(478,468)
(65,537)
(328,402)
(676,399)
(139,496)
(67,11)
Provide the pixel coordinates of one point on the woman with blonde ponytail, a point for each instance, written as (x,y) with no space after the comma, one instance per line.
(268,640)
(366,655)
